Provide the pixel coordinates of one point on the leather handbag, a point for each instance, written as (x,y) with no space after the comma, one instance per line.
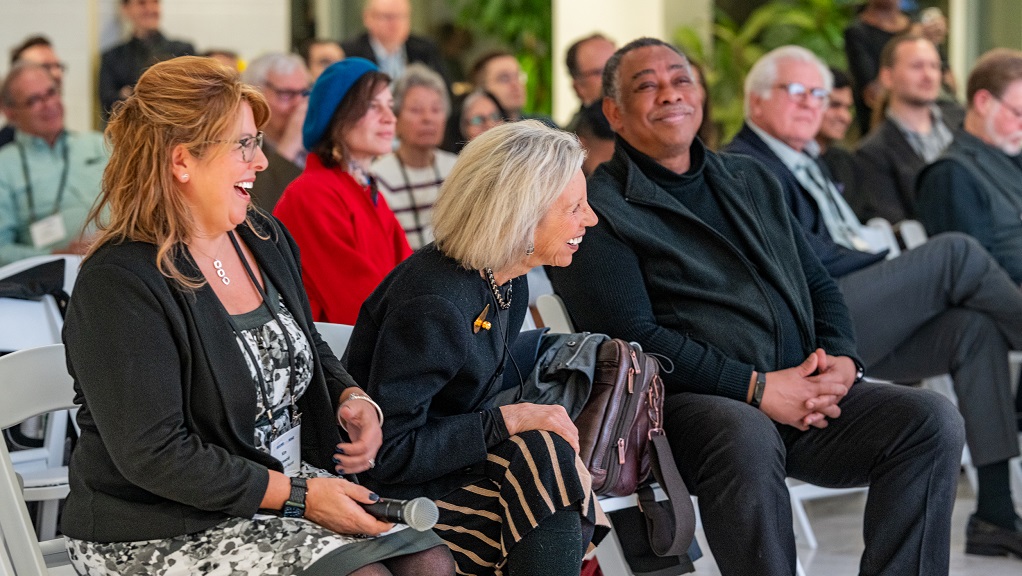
(622,443)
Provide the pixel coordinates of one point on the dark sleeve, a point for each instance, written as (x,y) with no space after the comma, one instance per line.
(604,292)
(109,90)
(422,345)
(861,62)
(877,181)
(950,200)
(129,366)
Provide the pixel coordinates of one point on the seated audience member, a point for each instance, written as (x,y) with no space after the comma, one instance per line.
(596,136)
(480,111)
(976,186)
(945,307)
(228,58)
(193,458)
(49,176)
(410,177)
(696,257)
(388,41)
(348,236)
(585,59)
(837,118)
(319,53)
(121,65)
(499,74)
(504,477)
(284,82)
(35,50)
(912,134)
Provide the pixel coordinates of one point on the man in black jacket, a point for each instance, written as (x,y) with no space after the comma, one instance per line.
(388,40)
(696,257)
(945,307)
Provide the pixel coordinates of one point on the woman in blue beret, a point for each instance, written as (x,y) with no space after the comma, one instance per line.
(209,403)
(348,236)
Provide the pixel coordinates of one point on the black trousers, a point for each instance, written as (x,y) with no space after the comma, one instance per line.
(905,443)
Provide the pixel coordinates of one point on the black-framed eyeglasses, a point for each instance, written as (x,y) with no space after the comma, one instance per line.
(247,145)
(1017,112)
(798,90)
(288,94)
(479,119)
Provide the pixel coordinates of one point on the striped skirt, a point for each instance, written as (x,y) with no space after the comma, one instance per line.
(528,478)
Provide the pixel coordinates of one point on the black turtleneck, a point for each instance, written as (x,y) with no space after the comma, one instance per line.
(692,191)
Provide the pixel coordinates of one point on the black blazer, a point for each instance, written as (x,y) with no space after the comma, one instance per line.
(168,406)
(836,258)
(417,49)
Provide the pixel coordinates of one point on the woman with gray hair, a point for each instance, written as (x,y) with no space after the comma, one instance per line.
(410,177)
(433,343)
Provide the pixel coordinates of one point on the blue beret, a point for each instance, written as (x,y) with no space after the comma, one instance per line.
(327,93)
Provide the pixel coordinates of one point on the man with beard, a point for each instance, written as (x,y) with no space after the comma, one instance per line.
(976,186)
(945,307)
(696,257)
(911,136)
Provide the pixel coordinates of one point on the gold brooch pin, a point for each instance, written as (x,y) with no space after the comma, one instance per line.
(481,321)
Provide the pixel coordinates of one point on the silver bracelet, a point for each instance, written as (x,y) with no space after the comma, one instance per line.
(357,396)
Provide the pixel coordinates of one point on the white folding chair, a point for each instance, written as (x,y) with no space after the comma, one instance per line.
(912,233)
(336,336)
(32,382)
(880,236)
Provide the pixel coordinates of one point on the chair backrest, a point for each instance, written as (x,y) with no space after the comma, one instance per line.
(554,314)
(335,335)
(913,234)
(33,323)
(32,382)
(880,235)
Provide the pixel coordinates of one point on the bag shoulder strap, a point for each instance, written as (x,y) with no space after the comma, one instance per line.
(671,523)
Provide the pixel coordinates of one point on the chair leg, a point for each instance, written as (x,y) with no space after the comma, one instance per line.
(46,519)
(799,570)
(611,557)
(798,507)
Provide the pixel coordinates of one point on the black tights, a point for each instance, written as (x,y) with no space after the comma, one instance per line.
(436,561)
(553,548)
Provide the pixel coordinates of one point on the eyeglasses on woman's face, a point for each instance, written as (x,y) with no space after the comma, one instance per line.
(247,145)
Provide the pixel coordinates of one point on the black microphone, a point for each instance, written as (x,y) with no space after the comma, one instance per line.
(419,514)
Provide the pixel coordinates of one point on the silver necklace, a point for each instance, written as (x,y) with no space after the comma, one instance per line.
(217,264)
(501,303)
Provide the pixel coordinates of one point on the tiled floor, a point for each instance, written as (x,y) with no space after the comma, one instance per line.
(837,523)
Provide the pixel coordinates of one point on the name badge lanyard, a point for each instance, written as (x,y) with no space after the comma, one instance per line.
(29,193)
(264,386)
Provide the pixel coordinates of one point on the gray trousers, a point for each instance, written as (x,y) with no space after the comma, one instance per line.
(945,307)
(905,443)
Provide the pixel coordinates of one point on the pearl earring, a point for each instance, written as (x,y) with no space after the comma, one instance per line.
(184,177)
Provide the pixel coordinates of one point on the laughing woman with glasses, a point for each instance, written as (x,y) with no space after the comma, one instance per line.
(210,406)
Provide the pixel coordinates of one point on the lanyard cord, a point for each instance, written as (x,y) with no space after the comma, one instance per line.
(411,193)
(28,182)
(263,385)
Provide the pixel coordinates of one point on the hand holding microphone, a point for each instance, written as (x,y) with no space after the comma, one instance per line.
(419,513)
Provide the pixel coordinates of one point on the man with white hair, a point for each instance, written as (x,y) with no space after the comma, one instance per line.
(945,307)
(696,257)
(388,41)
(284,81)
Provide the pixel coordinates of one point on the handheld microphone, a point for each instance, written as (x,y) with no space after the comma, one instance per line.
(419,514)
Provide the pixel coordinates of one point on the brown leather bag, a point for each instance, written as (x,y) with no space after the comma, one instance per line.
(622,443)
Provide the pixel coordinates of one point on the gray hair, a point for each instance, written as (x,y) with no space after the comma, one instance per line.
(420,75)
(763,76)
(501,186)
(17,71)
(611,80)
(276,63)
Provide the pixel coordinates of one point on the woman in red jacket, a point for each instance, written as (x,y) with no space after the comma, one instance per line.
(349,238)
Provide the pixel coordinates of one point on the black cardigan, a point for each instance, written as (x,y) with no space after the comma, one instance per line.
(414,348)
(652,272)
(168,406)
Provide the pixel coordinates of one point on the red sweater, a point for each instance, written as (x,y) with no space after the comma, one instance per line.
(348,244)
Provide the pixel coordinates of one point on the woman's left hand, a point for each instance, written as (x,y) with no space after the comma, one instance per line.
(360,419)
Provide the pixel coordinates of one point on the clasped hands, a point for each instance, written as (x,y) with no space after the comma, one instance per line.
(808,394)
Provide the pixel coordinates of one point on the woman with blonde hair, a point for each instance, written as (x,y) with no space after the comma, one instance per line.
(209,404)
(433,345)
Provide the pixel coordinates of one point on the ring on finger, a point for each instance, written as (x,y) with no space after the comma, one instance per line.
(372,463)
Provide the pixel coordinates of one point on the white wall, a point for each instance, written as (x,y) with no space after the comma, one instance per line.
(621,21)
(81,29)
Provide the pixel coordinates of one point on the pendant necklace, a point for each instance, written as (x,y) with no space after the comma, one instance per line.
(217,264)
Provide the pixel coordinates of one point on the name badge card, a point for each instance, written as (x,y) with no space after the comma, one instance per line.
(49,230)
(288,449)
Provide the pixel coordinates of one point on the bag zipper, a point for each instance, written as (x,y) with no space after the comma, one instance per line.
(613,472)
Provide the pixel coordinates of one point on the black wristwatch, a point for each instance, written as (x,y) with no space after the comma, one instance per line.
(757,392)
(860,372)
(295,505)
